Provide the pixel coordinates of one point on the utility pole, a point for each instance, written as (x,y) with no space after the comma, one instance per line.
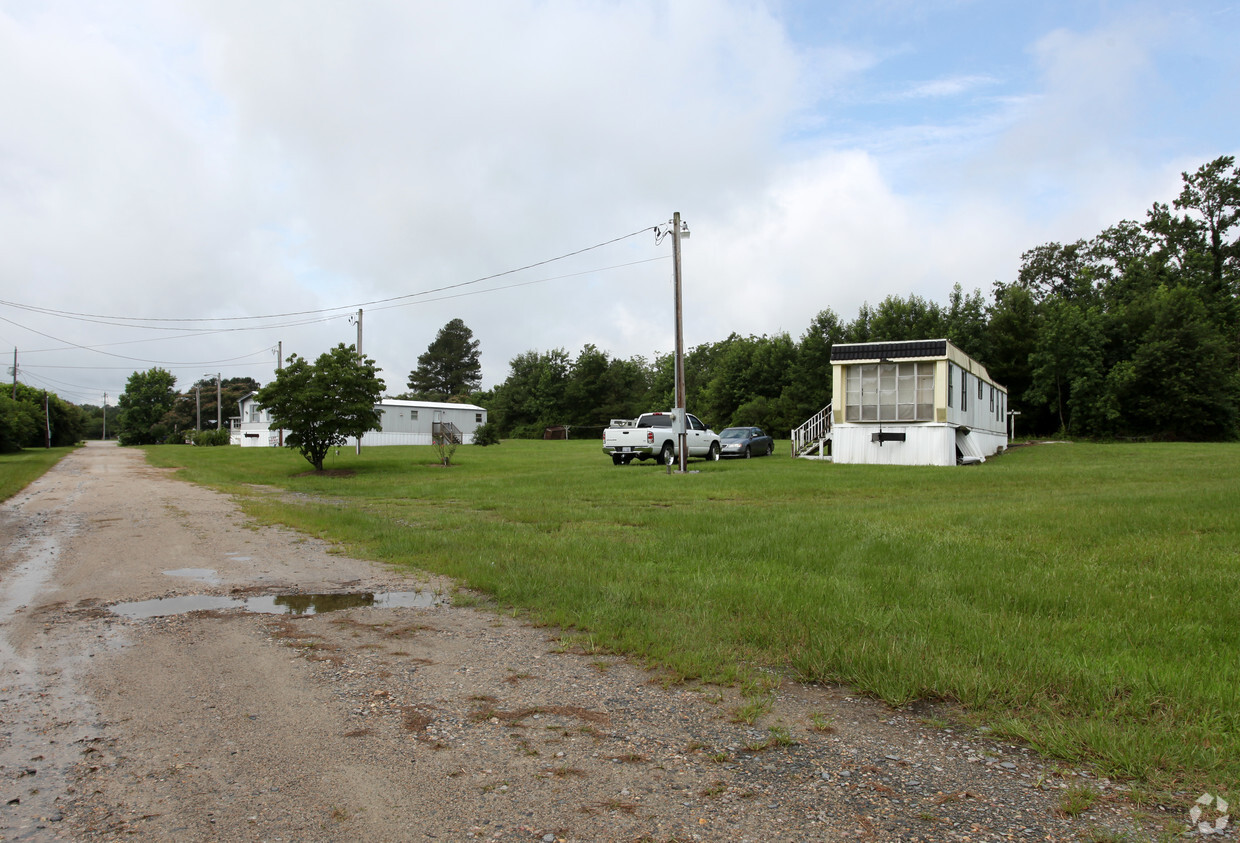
(219,419)
(198,402)
(359,362)
(105,417)
(279,368)
(14,373)
(47,420)
(683,443)
(680,421)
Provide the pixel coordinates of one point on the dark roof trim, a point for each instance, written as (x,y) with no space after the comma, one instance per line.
(888,350)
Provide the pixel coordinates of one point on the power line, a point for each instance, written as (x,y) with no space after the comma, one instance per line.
(124,320)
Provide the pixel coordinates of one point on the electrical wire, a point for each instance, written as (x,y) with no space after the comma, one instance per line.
(125,320)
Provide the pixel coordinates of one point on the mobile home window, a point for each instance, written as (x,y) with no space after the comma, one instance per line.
(950,388)
(992,399)
(413,415)
(478,418)
(964,390)
(889,392)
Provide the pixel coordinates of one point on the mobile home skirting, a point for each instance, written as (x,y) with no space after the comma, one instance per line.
(923,444)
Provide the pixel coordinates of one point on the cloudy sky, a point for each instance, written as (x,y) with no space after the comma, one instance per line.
(187,183)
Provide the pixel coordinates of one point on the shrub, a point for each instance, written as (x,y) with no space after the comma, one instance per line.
(486,435)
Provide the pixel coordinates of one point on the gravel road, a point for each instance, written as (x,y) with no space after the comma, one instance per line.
(423,722)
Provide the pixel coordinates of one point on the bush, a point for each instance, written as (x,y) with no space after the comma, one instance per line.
(210,438)
(486,434)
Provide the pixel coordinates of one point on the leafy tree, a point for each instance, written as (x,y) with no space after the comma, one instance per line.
(532,398)
(147,398)
(965,321)
(1178,384)
(1213,192)
(809,384)
(322,405)
(1068,374)
(21,423)
(450,365)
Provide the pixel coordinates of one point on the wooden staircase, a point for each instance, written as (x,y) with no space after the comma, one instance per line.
(444,432)
(812,440)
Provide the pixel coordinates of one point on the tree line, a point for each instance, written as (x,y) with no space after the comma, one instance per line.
(1134,333)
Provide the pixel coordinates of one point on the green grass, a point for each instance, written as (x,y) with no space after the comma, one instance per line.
(19,469)
(1080,597)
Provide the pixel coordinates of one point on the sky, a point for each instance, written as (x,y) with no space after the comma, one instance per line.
(193,184)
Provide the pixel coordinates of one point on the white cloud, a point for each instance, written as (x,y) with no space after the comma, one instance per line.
(218,157)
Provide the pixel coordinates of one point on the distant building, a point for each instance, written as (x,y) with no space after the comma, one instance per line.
(403,423)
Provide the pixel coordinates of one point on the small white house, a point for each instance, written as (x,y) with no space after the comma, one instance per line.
(403,423)
(920,402)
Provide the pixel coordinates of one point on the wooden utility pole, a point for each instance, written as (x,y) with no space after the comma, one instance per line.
(682,444)
(105,417)
(279,368)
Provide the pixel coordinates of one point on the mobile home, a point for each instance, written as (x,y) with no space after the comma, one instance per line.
(920,402)
(403,423)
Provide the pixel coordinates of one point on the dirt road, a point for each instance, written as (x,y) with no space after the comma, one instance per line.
(423,722)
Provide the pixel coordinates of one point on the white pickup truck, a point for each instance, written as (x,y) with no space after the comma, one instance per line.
(650,436)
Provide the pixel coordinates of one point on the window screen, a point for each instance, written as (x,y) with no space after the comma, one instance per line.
(889,392)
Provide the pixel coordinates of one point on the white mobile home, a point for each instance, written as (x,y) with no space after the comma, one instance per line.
(403,423)
(920,402)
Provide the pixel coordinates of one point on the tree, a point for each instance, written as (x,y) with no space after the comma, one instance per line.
(532,398)
(322,405)
(20,423)
(147,398)
(449,367)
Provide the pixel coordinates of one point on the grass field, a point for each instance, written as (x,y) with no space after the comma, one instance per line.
(17,470)
(1083,598)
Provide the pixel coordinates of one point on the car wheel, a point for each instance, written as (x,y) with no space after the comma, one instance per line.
(748,452)
(713,454)
(770,448)
(668,456)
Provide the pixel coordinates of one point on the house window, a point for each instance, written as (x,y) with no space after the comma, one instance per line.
(980,386)
(964,391)
(992,399)
(478,418)
(950,389)
(413,415)
(889,392)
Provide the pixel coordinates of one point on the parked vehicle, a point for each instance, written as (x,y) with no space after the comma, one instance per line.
(745,442)
(650,436)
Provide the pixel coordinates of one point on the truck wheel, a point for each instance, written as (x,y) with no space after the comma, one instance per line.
(668,455)
(713,454)
(616,459)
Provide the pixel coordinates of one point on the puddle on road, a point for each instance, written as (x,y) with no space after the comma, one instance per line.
(279,604)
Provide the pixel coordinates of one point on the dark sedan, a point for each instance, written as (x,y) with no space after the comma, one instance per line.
(745,442)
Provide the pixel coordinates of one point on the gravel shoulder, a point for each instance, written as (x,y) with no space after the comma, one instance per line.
(443,722)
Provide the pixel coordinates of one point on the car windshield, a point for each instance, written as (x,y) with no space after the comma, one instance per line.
(734,433)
